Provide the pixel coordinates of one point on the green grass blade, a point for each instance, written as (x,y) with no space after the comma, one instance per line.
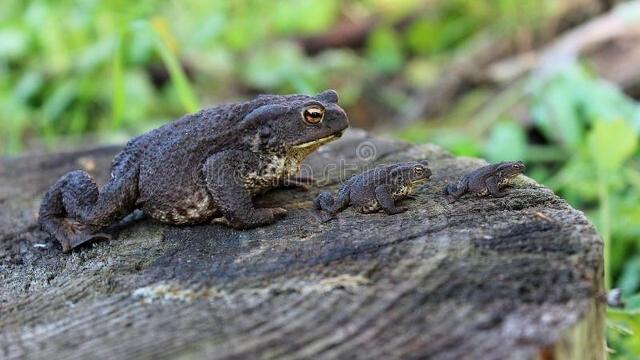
(118,90)
(164,41)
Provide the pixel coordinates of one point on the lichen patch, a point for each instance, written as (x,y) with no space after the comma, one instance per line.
(171,291)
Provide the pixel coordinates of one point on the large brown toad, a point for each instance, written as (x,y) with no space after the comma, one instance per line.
(202,166)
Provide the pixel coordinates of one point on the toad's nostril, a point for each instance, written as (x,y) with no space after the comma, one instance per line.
(337,111)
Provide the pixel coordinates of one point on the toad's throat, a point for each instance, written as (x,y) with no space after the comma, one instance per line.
(300,151)
(315,143)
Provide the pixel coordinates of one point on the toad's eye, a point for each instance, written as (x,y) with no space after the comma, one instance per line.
(419,170)
(516,166)
(313,115)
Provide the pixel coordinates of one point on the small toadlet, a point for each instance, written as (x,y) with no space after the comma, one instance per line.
(375,189)
(487,180)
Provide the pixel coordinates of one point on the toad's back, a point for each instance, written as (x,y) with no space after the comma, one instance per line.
(171,183)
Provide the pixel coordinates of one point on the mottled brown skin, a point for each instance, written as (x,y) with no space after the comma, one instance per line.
(487,180)
(375,189)
(200,167)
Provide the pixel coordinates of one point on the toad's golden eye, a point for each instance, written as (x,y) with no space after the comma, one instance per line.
(313,115)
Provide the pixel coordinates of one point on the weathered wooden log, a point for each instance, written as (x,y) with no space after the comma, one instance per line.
(514,277)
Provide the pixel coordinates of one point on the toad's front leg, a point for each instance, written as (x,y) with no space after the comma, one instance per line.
(493,186)
(224,180)
(385,199)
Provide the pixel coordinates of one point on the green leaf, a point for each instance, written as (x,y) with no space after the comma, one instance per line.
(384,50)
(305,16)
(630,278)
(422,37)
(28,85)
(611,143)
(165,43)
(603,101)
(138,91)
(632,303)
(58,101)
(282,66)
(459,145)
(13,43)
(117,78)
(555,113)
(96,55)
(416,134)
(506,142)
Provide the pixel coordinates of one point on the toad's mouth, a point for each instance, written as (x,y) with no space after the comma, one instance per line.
(317,142)
(419,180)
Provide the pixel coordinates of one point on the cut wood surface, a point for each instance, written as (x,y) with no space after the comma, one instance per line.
(509,278)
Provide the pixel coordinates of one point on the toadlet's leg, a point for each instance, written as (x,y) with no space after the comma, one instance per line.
(494,188)
(325,202)
(385,199)
(455,190)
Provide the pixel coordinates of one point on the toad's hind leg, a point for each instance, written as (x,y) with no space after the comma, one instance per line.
(325,202)
(455,190)
(74,210)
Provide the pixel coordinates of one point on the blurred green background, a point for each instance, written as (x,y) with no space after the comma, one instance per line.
(486,78)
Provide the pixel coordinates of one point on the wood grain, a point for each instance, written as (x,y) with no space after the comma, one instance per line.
(514,277)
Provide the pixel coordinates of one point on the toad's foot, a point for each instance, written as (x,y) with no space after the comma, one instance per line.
(73,234)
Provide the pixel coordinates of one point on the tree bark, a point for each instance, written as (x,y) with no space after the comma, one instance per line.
(515,277)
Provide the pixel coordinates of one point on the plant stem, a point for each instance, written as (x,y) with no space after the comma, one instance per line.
(605,224)
(118,91)
(165,44)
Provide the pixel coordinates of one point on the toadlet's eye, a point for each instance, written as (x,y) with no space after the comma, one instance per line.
(313,115)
